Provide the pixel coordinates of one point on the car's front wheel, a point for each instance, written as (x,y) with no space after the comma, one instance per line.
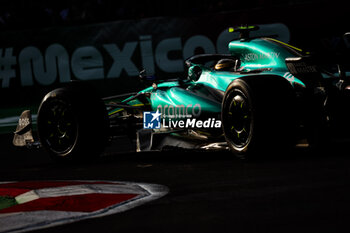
(72,123)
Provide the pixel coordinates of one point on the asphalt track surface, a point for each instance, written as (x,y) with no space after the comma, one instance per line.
(297,191)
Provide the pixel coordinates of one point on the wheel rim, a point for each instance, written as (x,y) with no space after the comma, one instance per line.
(238,127)
(58,128)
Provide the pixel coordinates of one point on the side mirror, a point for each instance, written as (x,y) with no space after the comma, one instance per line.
(144,77)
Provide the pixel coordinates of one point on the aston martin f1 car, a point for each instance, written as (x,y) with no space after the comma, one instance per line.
(265,95)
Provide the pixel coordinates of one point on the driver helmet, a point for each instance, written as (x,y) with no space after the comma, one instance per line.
(226,65)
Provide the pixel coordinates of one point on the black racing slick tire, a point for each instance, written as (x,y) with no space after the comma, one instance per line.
(72,123)
(258,116)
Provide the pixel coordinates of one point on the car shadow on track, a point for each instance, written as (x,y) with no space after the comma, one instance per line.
(24,157)
(193,156)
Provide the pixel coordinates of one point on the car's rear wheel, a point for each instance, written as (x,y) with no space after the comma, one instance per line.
(257,115)
(72,123)
(239,114)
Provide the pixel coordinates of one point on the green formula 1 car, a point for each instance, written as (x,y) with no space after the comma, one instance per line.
(264,96)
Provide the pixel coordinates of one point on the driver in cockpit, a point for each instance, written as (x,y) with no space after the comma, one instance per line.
(227,64)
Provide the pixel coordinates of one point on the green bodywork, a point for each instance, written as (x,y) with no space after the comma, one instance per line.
(259,57)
